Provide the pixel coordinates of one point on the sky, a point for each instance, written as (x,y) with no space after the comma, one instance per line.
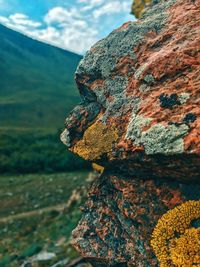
(74,25)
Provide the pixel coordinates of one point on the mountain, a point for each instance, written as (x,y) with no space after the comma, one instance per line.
(37,86)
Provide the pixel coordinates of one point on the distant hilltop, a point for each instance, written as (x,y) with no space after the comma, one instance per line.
(37,85)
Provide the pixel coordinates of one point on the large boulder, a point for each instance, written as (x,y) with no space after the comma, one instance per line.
(139,118)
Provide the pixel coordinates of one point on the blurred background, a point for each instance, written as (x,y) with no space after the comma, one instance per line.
(42,185)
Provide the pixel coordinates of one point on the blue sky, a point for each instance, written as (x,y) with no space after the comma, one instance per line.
(71,24)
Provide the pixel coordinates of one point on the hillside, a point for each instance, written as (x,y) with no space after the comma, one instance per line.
(37,88)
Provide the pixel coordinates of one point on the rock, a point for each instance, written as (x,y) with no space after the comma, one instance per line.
(44,256)
(139,119)
(120,215)
(140,89)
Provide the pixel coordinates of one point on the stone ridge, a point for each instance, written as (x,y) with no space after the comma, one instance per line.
(143,80)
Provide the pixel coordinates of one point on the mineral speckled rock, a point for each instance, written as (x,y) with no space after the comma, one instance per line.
(144,81)
(139,118)
(120,215)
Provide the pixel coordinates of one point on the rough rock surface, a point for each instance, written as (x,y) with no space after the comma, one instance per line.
(140,120)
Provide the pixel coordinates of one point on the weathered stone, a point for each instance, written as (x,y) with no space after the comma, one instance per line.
(120,215)
(140,120)
(151,98)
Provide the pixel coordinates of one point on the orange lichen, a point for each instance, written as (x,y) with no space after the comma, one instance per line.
(97,168)
(138,7)
(97,140)
(175,222)
(185,250)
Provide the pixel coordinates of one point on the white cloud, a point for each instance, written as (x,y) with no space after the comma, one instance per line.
(74,28)
(90,4)
(113,7)
(22,19)
(4,20)
(107,9)
(19,22)
(60,14)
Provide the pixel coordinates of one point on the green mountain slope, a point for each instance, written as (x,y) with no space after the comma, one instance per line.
(37,86)
(37,90)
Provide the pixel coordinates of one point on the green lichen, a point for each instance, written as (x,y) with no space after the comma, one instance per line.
(134,131)
(149,79)
(164,139)
(144,88)
(183,97)
(140,71)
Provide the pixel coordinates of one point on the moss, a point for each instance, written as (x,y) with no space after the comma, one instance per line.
(175,222)
(97,140)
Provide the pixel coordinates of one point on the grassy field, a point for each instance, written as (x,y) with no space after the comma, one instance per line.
(37,215)
(37,211)
(33,151)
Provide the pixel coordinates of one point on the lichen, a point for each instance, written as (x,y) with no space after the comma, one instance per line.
(144,88)
(120,106)
(149,79)
(134,131)
(65,137)
(176,222)
(169,101)
(139,6)
(101,60)
(97,140)
(185,250)
(140,71)
(113,86)
(189,118)
(157,139)
(183,97)
(160,139)
(97,168)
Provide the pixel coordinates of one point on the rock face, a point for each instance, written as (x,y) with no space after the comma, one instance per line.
(139,118)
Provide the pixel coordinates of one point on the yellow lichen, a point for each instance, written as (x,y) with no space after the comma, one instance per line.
(98,168)
(175,222)
(138,7)
(185,250)
(97,140)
